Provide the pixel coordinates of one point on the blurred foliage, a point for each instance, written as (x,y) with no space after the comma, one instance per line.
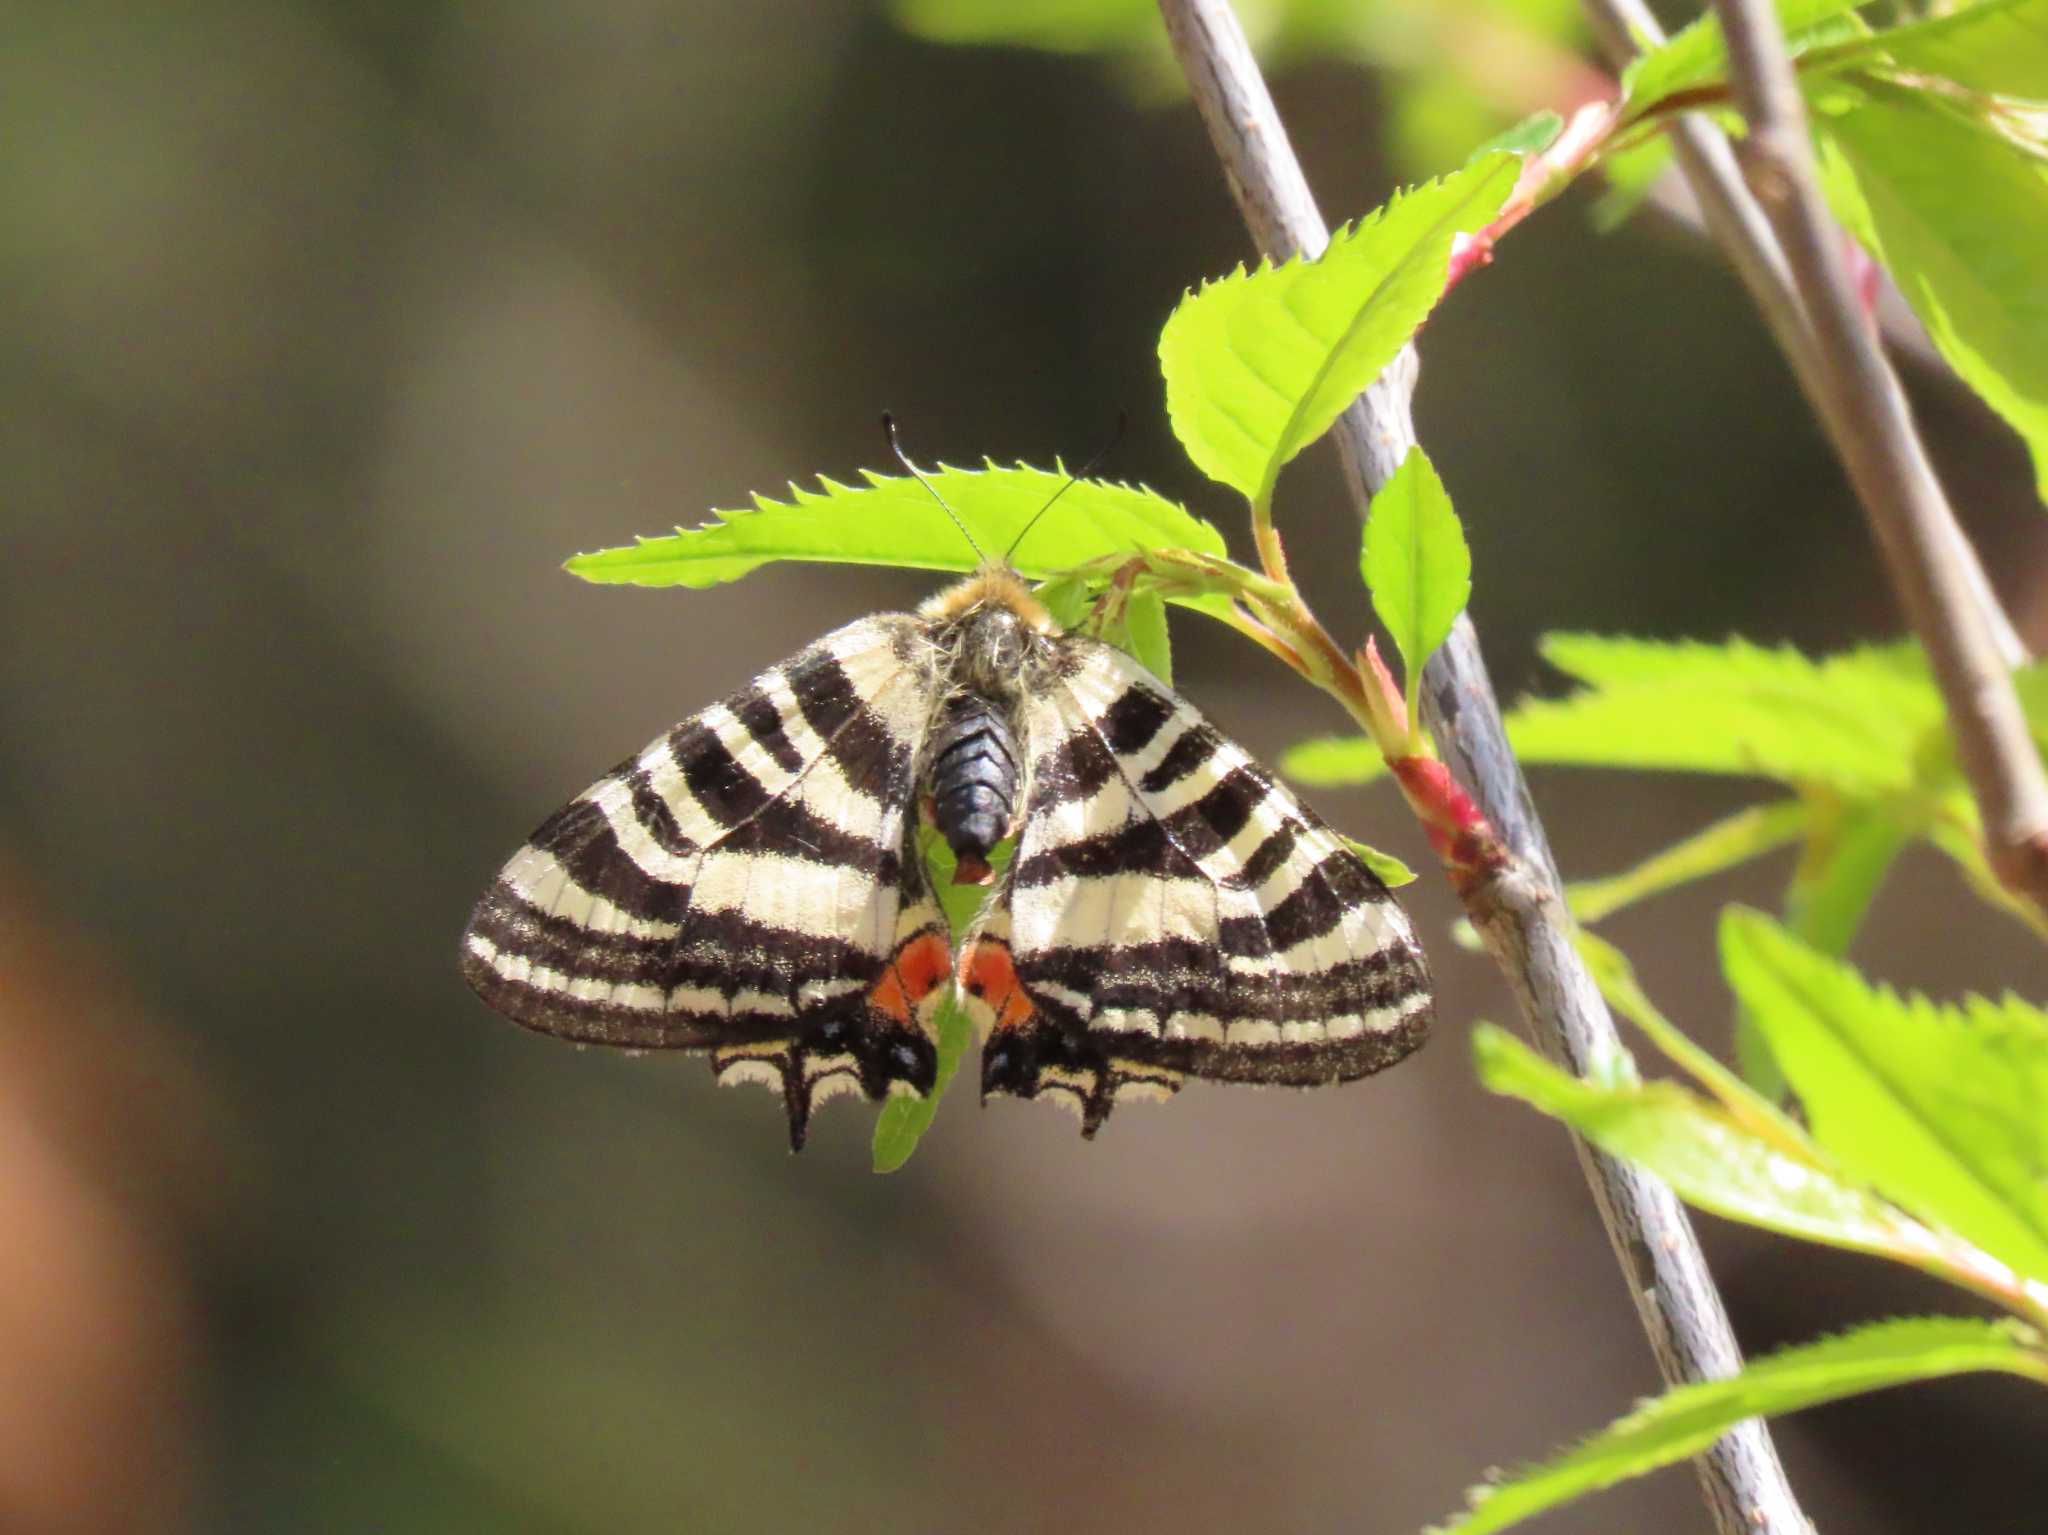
(1453,73)
(332,325)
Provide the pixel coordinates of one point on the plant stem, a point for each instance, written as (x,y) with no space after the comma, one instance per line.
(1272,555)
(1865,413)
(1738,226)
(1519,913)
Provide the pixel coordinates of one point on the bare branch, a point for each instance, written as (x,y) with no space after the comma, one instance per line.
(1520,915)
(1865,413)
(1739,227)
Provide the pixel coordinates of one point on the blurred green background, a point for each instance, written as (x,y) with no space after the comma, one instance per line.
(330,330)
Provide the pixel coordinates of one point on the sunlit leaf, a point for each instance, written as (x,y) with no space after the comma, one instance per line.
(1145,623)
(1067,598)
(1850,846)
(1854,721)
(1415,563)
(1392,872)
(1431,118)
(1630,174)
(1697,55)
(1258,364)
(1733,840)
(1330,762)
(1532,135)
(903,1121)
(1944,1109)
(2030,687)
(1849,851)
(1958,214)
(1698,1148)
(1749,1107)
(1999,46)
(1058,26)
(1963,843)
(895,521)
(1858,722)
(1685,1421)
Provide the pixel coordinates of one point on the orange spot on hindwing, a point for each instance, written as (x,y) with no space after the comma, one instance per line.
(915,972)
(987,973)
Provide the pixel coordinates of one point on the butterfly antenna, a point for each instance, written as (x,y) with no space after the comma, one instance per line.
(1123,420)
(895,447)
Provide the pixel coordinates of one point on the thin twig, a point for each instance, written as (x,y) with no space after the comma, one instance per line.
(1739,227)
(1520,915)
(1865,413)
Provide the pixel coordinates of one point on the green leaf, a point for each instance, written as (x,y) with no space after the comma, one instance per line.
(1760,1070)
(903,1121)
(1128,33)
(1849,851)
(1415,563)
(1392,872)
(1531,136)
(1145,618)
(960,903)
(1858,722)
(1058,26)
(895,521)
(1685,1421)
(1068,598)
(1958,214)
(1430,118)
(1853,721)
(1962,841)
(1258,364)
(1943,1109)
(1630,174)
(2000,46)
(2030,686)
(1850,847)
(1697,1147)
(1715,849)
(1697,55)
(1139,632)
(1751,1108)
(1333,762)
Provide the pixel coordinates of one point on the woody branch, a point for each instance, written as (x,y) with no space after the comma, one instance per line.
(1518,912)
(1864,411)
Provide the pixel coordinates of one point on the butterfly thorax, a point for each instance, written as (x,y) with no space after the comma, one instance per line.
(992,636)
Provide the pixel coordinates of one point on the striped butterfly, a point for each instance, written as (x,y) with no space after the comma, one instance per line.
(751,885)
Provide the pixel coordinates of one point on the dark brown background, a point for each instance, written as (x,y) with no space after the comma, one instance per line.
(329,330)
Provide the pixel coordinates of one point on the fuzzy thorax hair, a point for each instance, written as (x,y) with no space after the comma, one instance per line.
(992,586)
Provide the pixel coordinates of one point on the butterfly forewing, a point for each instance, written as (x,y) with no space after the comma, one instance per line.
(747,885)
(1172,911)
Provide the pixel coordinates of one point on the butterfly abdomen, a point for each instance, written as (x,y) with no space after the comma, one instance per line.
(973,781)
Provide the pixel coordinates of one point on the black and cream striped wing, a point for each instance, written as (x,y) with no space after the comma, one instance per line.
(1171,911)
(747,886)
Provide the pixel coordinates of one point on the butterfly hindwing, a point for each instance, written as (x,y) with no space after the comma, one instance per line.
(1171,911)
(748,885)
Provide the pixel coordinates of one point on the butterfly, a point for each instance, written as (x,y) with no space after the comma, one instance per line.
(752,884)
